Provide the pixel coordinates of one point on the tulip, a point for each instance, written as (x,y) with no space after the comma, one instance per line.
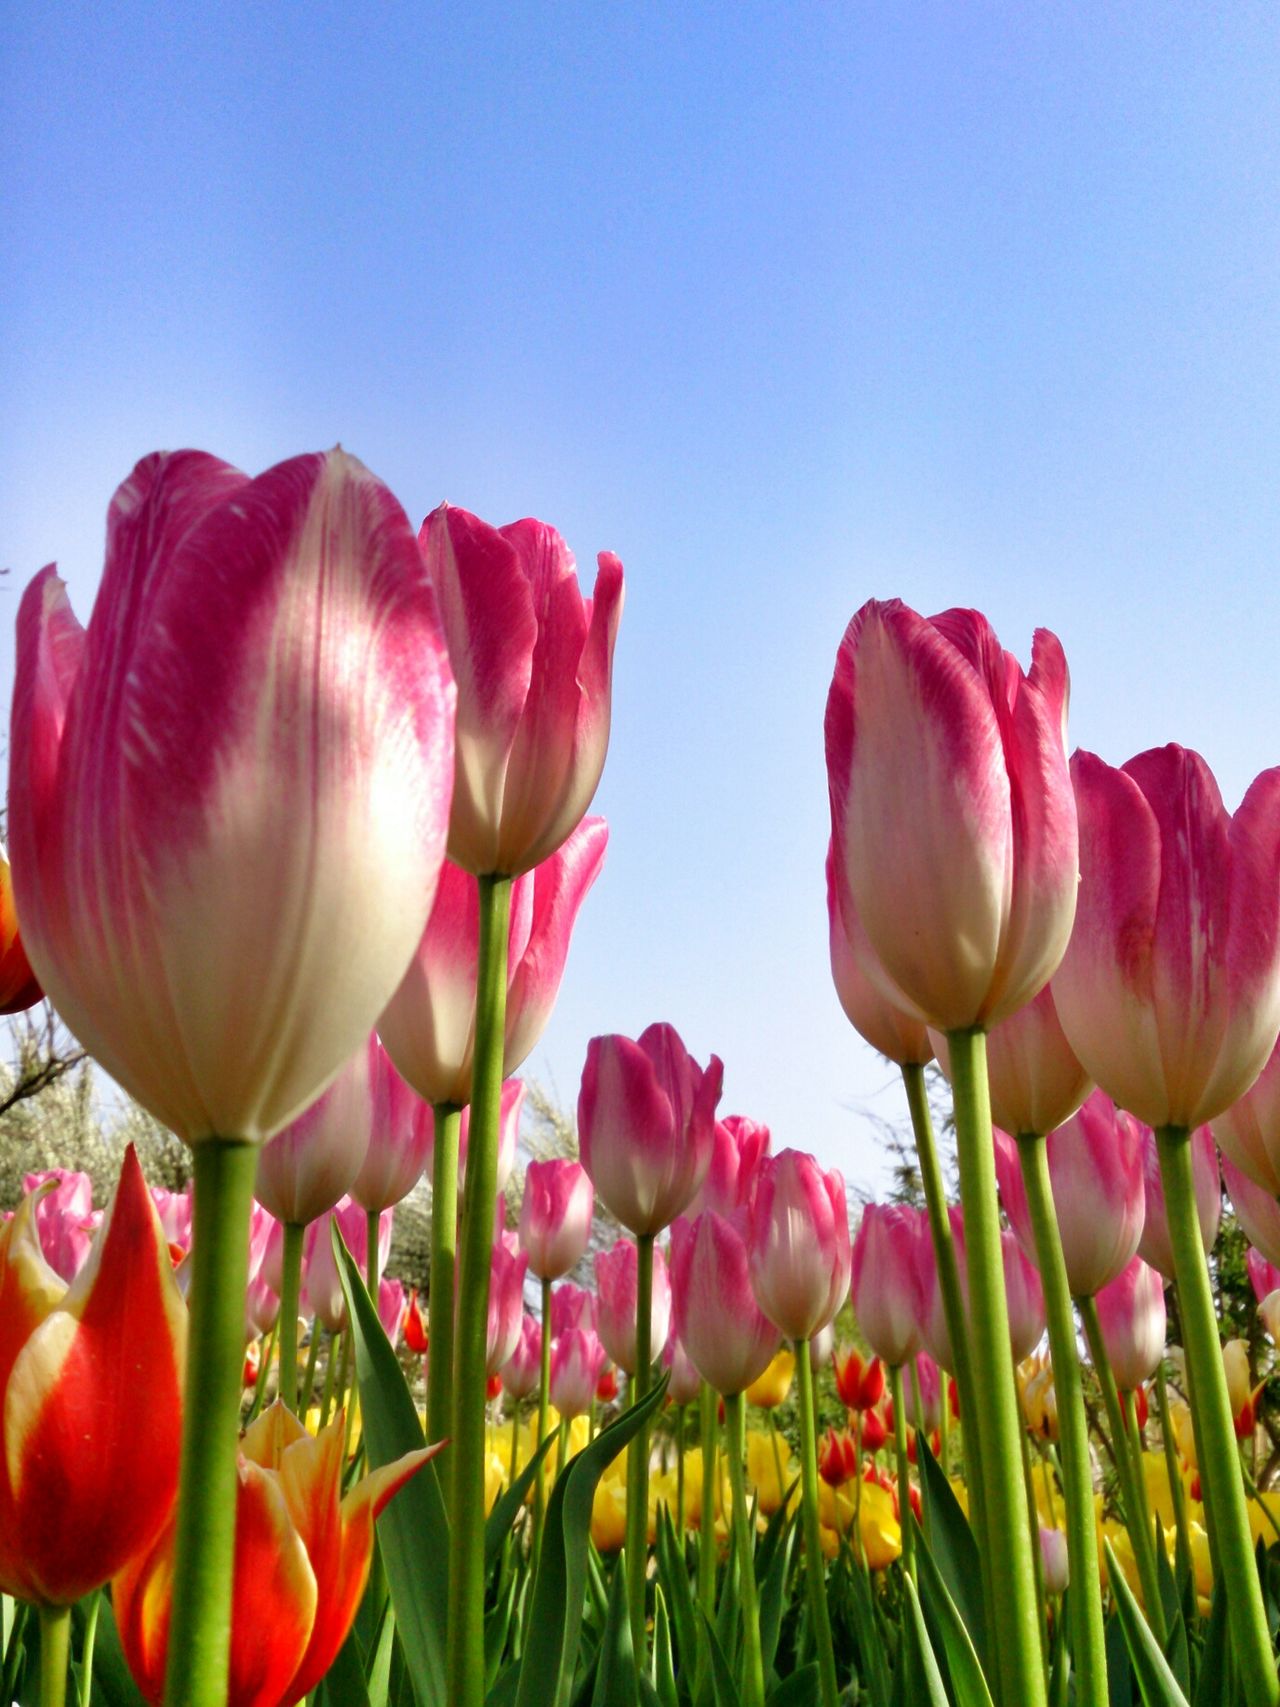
(414,1327)
(19,986)
(885,1281)
(401,1135)
(646,1125)
(1039,1397)
(1269,1315)
(684,1383)
(1096,1170)
(727,1336)
(1240,1389)
(1054,1562)
(1156,1245)
(510,1109)
(90,1399)
(838,1458)
(573,1307)
(1036,1083)
(617,1289)
(1132,1316)
(739,1147)
(930,1383)
(534,662)
(506,1305)
(822,1347)
(882,1023)
(322,1290)
(1264,1276)
(859,1382)
(1257,1211)
(799,1244)
(64,1218)
(770,1389)
(174,1210)
(555,1216)
(1026,1299)
(607,1385)
(309,1166)
(302,1555)
(576,1361)
(520,1371)
(1022,1289)
(1249,1131)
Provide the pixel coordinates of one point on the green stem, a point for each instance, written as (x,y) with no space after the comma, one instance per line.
(466,1668)
(1139,1534)
(330,1371)
(562,1445)
(735,1410)
(815,1570)
(55,1654)
(309,1373)
(680,1524)
(1016,1630)
(1084,1604)
(707,1526)
(371,1219)
(544,1404)
(1177,1493)
(290,1291)
(266,1351)
(1219,1466)
(200,1626)
(1129,1410)
(444,1259)
(904,1469)
(15,1650)
(87,1648)
(514,1456)
(638,1452)
(1037,1557)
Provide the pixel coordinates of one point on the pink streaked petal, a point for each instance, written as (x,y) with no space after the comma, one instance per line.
(1253,945)
(555,891)
(429,1024)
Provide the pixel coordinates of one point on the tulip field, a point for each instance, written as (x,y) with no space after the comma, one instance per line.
(299,830)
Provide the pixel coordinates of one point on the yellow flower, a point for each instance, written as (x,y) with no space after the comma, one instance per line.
(772,1387)
(609,1508)
(1039,1396)
(762,1469)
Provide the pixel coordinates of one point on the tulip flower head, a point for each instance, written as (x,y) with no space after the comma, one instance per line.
(414,1326)
(770,1389)
(1035,1081)
(837,1458)
(506,1304)
(1054,1560)
(617,1281)
(1257,1210)
(577,1359)
(885,1281)
(19,987)
(1241,1391)
(555,1216)
(859,1380)
(739,1147)
(573,1307)
(684,1383)
(511,1107)
(930,1392)
(401,1136)
(309,1166)
(896,1033)
(521,1372)
(799,1244)
(1264,1276)
(64,1217)
(1249,1131)
(728,1337)
(1155,1246)
(321,1289)
(1131,1313)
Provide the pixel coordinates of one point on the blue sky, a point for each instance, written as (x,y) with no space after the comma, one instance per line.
(789,305)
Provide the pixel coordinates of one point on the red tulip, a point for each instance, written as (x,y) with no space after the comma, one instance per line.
(885,1281)
(952,816)
(414,1327)
(1036,1082)
(646,1119)
(1131,1314)
(1170,990)
(90,1400)
(874,1431)
(301,1564)
(555,1216)
(837,1458)
(617,1281)
(19,987)
(728,1338)
(799,1244)
(859,1382)
(607,1386)
(1155,1245)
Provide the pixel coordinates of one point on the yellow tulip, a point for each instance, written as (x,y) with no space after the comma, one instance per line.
(771,1388)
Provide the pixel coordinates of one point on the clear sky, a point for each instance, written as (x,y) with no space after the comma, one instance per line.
(788,305)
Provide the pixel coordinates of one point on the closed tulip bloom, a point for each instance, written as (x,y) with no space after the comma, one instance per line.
(391,1308)
(646,1125)
(799,1244)
(1023,1292)
(685,1383)
(174,1210)
(312,1163)
(1155,1246)
(822,1347)
(577,1357)
(301,1563)
(534,664)
(511,1107)
(506,1304)
(64,1217)
(160,851)
(930,1391)
(521,1372)
(19,987)
(1026,1298)
(90,1400)
(859,1380)
(729,1339)
(572,1307)
(555,1216)
(1264,1276)
(1257,1210)
(770,1389)
(616,1288)
(885,1281)
(414,1326)
(1170,990)
(739,1147)
(1096,1168)
(1035,1079)
(1054,1560)
(837,1458)
(1249,1131)
(401,1136)
(883,1024)
(1131,1313)
(321,1290)
(952,814)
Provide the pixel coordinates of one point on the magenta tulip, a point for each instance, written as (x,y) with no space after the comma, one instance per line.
(506,1304)
(219,905)
(521,1371)
(1170,990)
(1257,1211)
(401,1136)
(799,1244)
(646,1125)
(174,1210)
(1099,1195)
(1026,1298)
(1155,1247)
(312,1163)
(510,1109)
(321,1289)
(930,1392)
(739,1147)
(391,1308)
(555,1216)
(64,1218)
(429,1025)
(572,1307)
(729,1339)
(1023,1292)
(1035,1081)
(885,1025)
(533,661)
(1249,1131)
(684,1381)
(885,1281)
(952,816)
(577,1357)
(1131,1313)
(616,1287)
(1264,1276)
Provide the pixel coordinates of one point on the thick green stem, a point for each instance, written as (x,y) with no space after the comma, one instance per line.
(544,1402)
(1088,1640)
(466,1537)
(904,1469)
(87,1647)
(330,1372)
(1219,1466)
(309,1373)
(200,1626)
(1139,1534)
(1037,1557)
(707,1524)
(291,1288)
(1016,1630)
(55,1654)
(444,1258)
(372,1277)
(814,1567)
(638,1452)
(680,1525)
(735,1411)
(1177,1493)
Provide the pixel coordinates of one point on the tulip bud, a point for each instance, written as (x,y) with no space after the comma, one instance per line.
(1155,1246)
(555,1216)
(799,1244)
(685,1383)
(401,1136)
(884,1025)
(738,1148)
(311,1164)
(617,1287)
(607,1385)
(1131,1313)
(837,1459)
(506,1304)
(576,1361)
(522,1370)
(885,1281)
(1053,1556)
(414,1327)
(860,1383)
(727,1336)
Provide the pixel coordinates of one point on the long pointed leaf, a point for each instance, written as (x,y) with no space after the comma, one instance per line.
(967,1681)
(925,1684)
(1156,1683)
(616,1670)
(507,1508)
(954,1550)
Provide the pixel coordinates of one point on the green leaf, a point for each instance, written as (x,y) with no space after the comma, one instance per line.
(802,1689)
(507,1508)
(1156,1683)
(413,1531)
(1119,1671)
(664,1671)
(1213,1684)
(954,1549)
(673,1574)
(967,1682)
(773,1590)
(924,1678)
(616,1668)
(343,1685)
(726,1690)
(871,1648)
(113,1684)
(556,1615)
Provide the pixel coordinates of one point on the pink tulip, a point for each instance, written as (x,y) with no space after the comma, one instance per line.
(1036,1082)
(885,1281)
(391,1308)
(1249,1131)
(312,1163)
(523,1369)
(510,1110)
(506,1304)
(229,795)
(1053,1556)
(1257,1210)
(1264,1276)
(1096,1170)
(1155,1246)
(321,1290)
(555,1216)
(799,1244)
(646,1125)
(429,1025)
(65,1222)
(577,1357)
(1023,1292)
(1132,1317)
(952,814)
(930,1392)
(616,1286)
(739,1147)
(685,1383)
(262,1302)
(1170,990)
(572,1307)
(401,1136)
(821,1346)
(1026,1298)
(729,1339)
(174,1210)
(882,1023)
(533,661)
